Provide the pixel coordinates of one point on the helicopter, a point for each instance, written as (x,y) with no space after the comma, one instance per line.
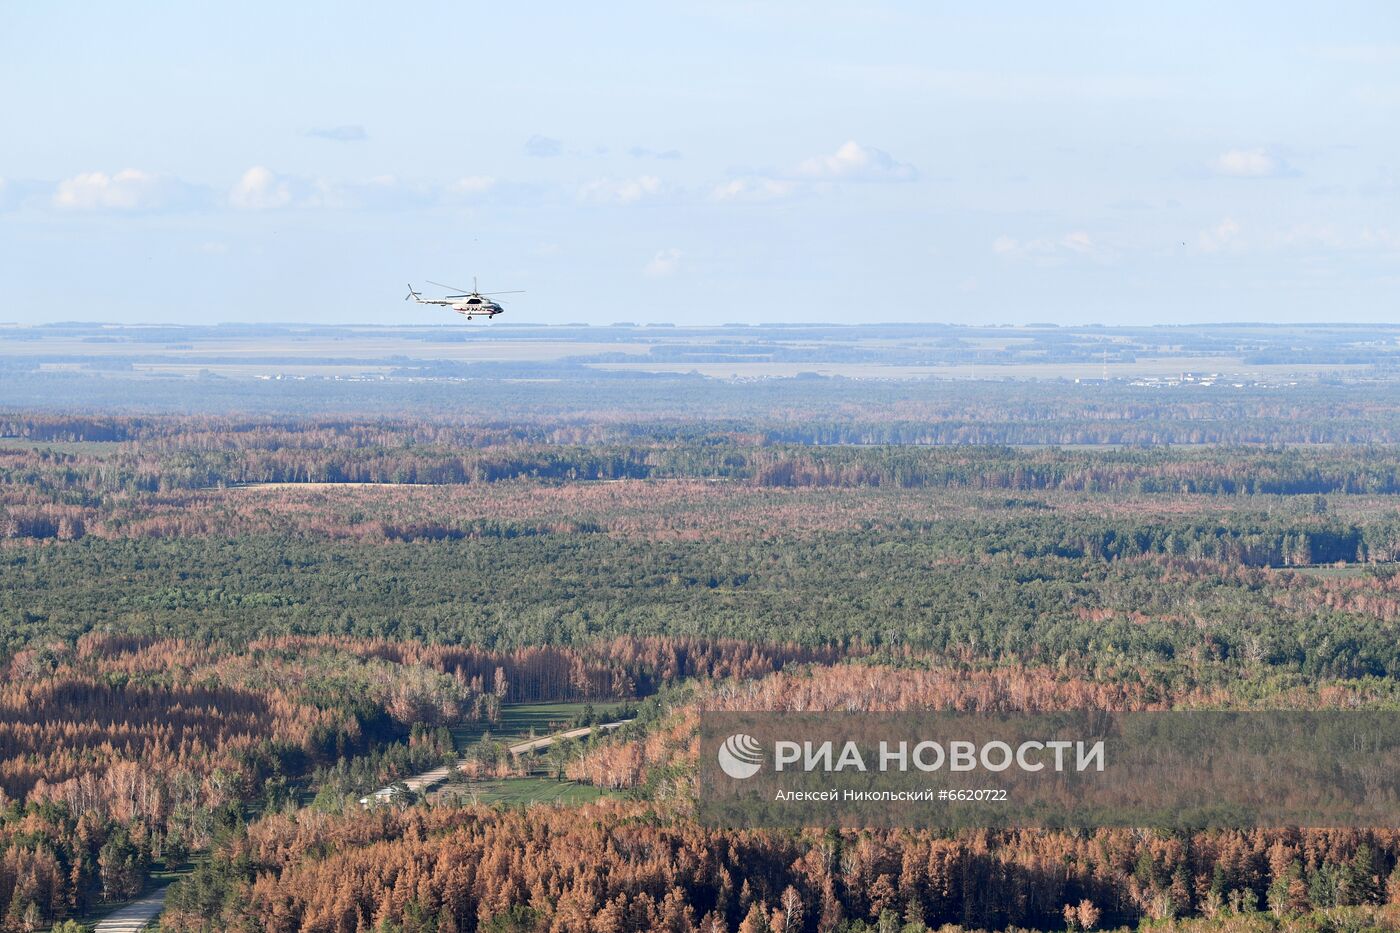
(474,303)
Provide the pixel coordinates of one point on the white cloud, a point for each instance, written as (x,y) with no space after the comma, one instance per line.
(1224,235)
(1309,237)
(1053,250)
(854,162)
(664,263)
(261,189)
(624,191)
(128,190)
(1078,242)
(472,184)
(753,188)
(1251,163)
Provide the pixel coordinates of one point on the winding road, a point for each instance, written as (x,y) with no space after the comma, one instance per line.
(134,916)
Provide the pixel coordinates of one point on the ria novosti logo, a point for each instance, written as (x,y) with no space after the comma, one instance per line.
(740,756)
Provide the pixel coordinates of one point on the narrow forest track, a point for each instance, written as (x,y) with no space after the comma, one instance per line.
(548,740)
(429,779)
(134,917)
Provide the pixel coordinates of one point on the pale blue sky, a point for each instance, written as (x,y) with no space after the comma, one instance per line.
(701,162)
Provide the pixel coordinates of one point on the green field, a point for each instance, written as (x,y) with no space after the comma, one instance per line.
(529,720)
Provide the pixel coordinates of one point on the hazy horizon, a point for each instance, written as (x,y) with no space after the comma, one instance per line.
(451,322)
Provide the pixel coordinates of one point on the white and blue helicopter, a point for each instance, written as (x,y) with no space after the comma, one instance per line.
(470,304)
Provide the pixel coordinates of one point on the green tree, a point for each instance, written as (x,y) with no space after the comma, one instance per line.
(122,866)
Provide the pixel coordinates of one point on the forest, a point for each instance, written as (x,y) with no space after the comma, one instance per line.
(120,752)
(218,631)
(615,868)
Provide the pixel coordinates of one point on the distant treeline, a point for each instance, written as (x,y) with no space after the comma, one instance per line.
(172,454)
(582,406)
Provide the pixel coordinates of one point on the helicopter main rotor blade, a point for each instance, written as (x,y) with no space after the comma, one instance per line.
(455,288)
(518,291)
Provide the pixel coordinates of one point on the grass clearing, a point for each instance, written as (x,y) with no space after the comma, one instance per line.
(530,720)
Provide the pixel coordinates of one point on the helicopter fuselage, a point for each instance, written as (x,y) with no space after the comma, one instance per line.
(485,308)
(473,306)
